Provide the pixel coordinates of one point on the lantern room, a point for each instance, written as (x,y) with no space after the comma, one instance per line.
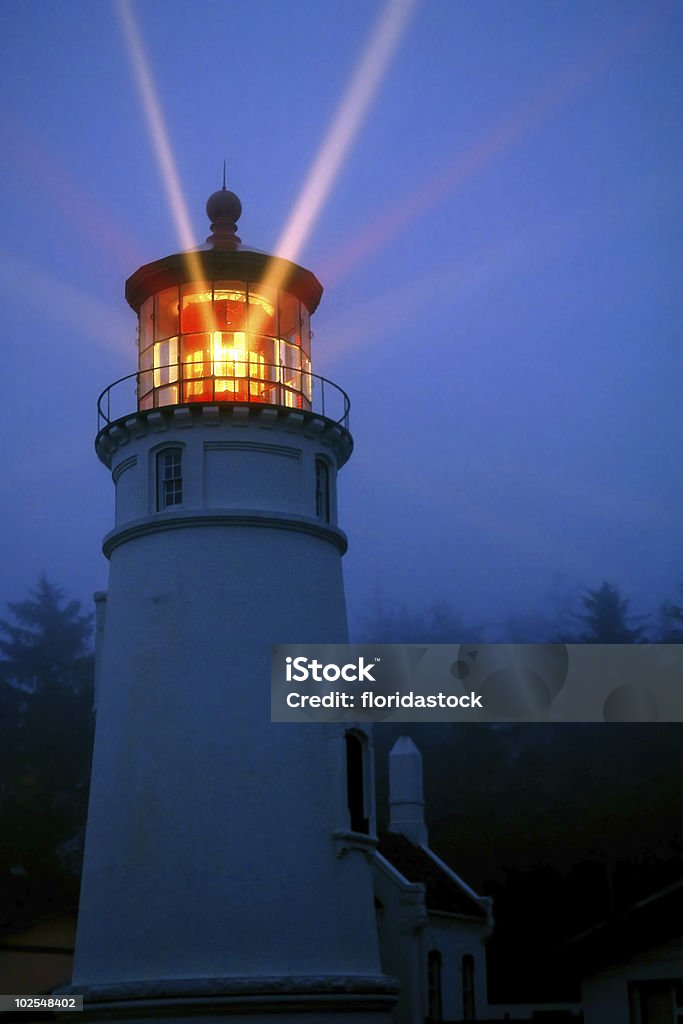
(224,323)
(224,341)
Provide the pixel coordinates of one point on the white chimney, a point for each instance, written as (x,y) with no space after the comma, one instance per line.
(406,794)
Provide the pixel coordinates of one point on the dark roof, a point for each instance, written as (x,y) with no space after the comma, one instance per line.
(240,265)
(649,923)
(443,892)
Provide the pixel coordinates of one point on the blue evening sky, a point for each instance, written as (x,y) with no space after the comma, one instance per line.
(500,251)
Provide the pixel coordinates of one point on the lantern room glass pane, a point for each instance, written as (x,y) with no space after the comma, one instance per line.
(196,307)
(195,349)
(289,318)
(147,358)
(165,362)
(165,313)
(230,353)
(262,357)
(291,390)
(305,322)
(291,356)
(146,334)
(166,396)
(145,383)
(307,380)
(200,390)
(229,305)
(262,310)
(228,363)
(197,368)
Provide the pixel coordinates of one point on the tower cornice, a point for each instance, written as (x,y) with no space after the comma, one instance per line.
(227,414)
(222,518)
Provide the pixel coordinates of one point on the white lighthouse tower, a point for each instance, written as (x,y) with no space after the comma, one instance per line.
(227,859)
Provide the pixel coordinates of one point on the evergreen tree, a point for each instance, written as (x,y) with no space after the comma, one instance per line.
(605,619)
(46,728)
(671,622)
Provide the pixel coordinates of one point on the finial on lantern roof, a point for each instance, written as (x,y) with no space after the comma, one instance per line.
(223,209)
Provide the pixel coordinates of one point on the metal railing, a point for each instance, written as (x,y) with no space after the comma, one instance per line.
(272,384)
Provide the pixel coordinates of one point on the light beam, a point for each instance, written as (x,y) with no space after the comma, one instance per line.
(159,133)
(344,128)
(556,91)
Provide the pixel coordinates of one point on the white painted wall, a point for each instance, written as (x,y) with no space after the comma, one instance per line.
(407,933)
(455,938)
(210,850)
(605,994)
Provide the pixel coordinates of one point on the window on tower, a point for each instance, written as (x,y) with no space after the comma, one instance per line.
(355,782)
(468,1000)
(169,478)
(434,1003)
(322,490)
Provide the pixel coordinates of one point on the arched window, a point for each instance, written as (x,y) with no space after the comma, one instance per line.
(469,1010)
(322,490)
(169,478)
(434,1005)
(355,783)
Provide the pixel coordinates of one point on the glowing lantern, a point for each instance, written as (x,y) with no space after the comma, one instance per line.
(240,334)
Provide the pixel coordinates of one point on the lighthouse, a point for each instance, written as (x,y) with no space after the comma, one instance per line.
(227,868)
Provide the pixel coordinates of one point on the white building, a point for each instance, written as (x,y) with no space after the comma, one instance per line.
(632,964)
(432,926)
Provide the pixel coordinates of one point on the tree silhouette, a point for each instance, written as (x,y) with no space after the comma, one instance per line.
(606,620)
(671,622)
(46,728)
